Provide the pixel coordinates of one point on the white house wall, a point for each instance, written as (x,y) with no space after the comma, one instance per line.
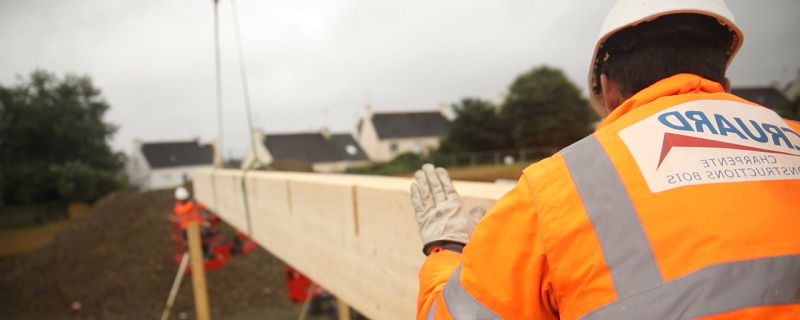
(172,177)
(137,168)
(380,150)
(368,139)
(422,146)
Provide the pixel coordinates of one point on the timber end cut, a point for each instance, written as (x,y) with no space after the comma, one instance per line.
(354,235)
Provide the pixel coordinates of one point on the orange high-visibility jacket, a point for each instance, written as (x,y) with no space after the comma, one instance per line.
(188,211)
(684,204)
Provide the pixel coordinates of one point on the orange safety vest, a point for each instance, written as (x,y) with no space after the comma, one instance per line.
(188,211)
(682,205)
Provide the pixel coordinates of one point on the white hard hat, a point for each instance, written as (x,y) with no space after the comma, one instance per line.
(627,13)
(181,193)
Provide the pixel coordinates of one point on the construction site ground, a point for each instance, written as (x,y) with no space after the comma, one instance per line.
(117,261)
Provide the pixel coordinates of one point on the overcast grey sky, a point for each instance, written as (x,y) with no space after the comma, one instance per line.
(154,59)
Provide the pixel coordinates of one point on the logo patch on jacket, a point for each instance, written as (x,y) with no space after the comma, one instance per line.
(713,141)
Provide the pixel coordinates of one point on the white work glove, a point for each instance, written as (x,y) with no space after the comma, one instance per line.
(440,214)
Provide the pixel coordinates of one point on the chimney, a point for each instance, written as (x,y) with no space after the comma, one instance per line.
(325,133)
(197,139)
(217,158)
(500,99)
(258,136)
(443,109)
(368,112)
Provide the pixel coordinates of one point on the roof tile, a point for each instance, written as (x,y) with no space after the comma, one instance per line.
(313,147)
(175,154)
(409,125)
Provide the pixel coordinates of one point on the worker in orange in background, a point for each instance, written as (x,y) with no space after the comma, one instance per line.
(681,205)
(187,210)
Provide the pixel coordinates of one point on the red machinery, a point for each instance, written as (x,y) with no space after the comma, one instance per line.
(298,285)
(217,253)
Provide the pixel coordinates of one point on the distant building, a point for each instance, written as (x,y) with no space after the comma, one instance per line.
(160,165)
(384,135)
(325,152)
(793,88)
(769,97)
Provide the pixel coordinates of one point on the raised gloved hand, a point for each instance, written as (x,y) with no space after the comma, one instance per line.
(439,211)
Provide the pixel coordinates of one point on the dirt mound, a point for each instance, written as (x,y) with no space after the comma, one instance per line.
(117,261)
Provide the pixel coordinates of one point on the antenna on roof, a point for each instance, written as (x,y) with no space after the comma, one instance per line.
(325,117)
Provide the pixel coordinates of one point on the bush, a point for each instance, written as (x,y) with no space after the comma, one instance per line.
(53,141)
(76,181)
(403,163)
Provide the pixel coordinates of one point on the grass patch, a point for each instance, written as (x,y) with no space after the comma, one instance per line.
(483,173)
(23,240)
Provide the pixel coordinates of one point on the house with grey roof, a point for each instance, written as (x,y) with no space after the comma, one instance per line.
(792,90)
(384,135)
(325,152)
(160,165)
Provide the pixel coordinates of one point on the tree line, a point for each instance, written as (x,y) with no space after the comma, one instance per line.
(54,142)
(543,108)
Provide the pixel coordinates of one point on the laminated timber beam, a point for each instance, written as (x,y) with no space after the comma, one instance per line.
(354,235)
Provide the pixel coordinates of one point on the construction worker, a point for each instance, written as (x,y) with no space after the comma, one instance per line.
(186,210)
(681,205)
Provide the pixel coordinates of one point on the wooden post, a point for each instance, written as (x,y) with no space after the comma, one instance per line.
(175,286)
(198,272)
(307,303)
(343,309)
(473,160)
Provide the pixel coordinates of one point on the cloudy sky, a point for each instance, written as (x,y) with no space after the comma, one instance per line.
(154,59)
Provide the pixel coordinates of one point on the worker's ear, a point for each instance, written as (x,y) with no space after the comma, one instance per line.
(611,93)
(726,84)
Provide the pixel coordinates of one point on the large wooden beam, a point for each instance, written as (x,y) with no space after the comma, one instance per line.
(355,236)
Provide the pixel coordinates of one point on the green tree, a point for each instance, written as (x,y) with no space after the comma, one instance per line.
(53,141)
(790,109)
(476,127)
(544,108)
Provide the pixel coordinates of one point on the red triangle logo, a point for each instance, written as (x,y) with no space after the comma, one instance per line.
(672,140)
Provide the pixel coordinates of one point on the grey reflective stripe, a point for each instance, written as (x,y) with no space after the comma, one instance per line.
(623,242)
(712,290)
(461,304)
(432,312)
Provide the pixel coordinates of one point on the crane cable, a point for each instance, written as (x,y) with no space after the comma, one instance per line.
(220,149)
(256,160)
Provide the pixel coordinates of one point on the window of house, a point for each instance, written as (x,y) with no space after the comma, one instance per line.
(172,158)
(393,147)
(418,147)
(351,149)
